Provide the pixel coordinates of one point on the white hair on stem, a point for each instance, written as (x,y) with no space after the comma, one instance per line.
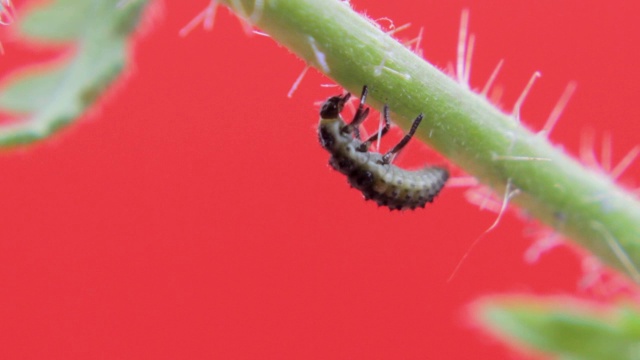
(415,43)
(496,94)
(605,152)
(296,83)
(468,58)
(378,20)
(518,105)
(492,78)
(619,252)
(377,71)
(626,161)
(592,272)
(558,109)
(206,17)
(393,31)
(543,244)
(587,155)
(483,198)
(595,278)
(508,194)
(260,33)
(243,17)
(518,158)
(462,181)
(462,45)
(321,58)
(396,72)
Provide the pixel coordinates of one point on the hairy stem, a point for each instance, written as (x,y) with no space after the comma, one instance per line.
(585,206)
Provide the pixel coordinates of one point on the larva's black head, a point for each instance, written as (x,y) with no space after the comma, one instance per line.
(333,106)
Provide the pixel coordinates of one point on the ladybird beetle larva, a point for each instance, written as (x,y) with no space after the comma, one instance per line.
(370,172)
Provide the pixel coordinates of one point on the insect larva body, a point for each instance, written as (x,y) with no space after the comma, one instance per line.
(370,172)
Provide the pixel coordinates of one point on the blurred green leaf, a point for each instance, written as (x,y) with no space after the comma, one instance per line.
(568,329)
(48,99)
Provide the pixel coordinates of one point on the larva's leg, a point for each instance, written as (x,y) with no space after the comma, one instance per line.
(387,125)
(360,114)
(386,158)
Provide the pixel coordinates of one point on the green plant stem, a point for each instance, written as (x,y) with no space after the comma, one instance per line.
(556,189)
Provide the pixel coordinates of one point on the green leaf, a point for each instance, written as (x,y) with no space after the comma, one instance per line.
(48,99)
(569,329)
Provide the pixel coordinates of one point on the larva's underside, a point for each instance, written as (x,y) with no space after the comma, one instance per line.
(370,172)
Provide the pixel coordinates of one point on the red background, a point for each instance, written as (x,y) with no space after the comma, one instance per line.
(192,215)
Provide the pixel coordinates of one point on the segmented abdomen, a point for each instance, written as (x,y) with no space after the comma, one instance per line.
(387,184)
